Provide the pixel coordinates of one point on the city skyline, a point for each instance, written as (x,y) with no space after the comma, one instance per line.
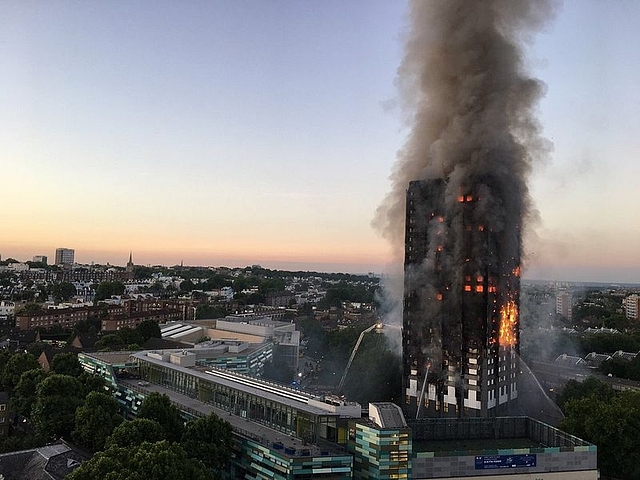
(252,133)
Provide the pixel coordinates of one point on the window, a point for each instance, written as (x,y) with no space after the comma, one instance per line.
(3,407)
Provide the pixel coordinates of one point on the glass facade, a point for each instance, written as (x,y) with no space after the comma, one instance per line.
(261,462)
(278,415)
(251,364)
(380,453)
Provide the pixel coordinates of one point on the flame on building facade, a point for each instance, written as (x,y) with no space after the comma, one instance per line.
(460,321)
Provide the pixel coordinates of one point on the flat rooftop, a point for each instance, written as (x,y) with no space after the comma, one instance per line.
(256,431)
(477,445)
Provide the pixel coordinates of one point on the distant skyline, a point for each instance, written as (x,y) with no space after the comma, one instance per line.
(250,132)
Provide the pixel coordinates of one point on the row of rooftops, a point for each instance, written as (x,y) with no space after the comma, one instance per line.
(594,359)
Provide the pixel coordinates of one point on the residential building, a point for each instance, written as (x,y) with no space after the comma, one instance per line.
(460,337)
(564,304)
(40,259)
(632,306)
(65,256)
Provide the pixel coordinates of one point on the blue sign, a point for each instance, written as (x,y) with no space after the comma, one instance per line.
(505,461)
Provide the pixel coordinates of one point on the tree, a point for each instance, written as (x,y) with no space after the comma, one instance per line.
(148,329)
(24,395)
(159,408)
(91,383)
(133,433)
(574,390)
(141,272)
(66,364)
(148,461)
(211,311)
(36,348)
(129,336)
(109,341)
(63,291)
(613,425)
(208,439)
(107,289)
(16,366)
(57,398)
(95,420)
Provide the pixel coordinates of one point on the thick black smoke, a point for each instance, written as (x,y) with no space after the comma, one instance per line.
(470,104)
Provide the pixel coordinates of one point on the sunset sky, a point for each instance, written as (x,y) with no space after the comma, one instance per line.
(264,132)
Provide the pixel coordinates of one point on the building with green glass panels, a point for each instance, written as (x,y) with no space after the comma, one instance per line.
(284,434)
(381,444)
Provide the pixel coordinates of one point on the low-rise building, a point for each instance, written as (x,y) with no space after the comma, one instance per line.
(286,434)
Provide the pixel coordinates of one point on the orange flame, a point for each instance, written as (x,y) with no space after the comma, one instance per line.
(508,323)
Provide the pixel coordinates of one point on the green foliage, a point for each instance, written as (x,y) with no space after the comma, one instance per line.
(25,393)
(36,348)
(21,441)
(344,291)
(147,329)
(216,281)
(211,311)
(208,439)
(107,289)
(609,343)
(621,368)
(613,425)
(109,341)
(57,398)
(63,291)
(95,420)
(15,366)
(375,374)
(254,299)
(574,390)
(66,364)
(91,383)
(133,433)
(270,285)
(159,408)
(90,325)
(141,272)
(148,461)
(187,286)
(129,335)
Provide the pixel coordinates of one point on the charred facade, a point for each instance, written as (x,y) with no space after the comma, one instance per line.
(460,322)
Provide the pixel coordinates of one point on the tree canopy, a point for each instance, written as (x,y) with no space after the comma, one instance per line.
(158,407)
(208,439)
(95,420)
(147,461)
(54,409)
(133,433)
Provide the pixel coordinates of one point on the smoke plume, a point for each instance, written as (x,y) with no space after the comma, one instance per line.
(470,105)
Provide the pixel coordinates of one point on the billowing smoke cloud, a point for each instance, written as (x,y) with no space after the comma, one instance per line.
(470,105)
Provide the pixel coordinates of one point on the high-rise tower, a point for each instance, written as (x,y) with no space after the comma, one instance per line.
(460,323)
(65,256)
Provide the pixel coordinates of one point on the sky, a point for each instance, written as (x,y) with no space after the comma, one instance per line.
(254,132)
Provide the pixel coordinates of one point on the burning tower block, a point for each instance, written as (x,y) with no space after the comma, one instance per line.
(460,322)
